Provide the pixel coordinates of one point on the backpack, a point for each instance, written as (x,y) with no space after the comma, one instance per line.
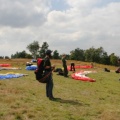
(39,72)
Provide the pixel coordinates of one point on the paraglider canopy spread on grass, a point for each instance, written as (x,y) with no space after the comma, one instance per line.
(81,76)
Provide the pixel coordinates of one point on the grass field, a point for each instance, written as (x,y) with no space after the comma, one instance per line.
(24,98)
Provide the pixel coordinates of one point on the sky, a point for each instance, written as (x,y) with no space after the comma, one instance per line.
(64,24)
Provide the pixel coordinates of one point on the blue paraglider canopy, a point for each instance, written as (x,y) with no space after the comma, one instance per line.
(33,60)
(10,75)
(32,67)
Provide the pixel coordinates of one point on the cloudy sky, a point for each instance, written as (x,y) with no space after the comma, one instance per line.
(64,24)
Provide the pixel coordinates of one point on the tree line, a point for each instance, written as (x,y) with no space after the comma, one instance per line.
(97,55)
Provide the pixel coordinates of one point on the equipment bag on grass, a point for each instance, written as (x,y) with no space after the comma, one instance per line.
(40,74)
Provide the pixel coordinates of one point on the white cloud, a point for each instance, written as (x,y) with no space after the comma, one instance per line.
(21,13)
(84,24)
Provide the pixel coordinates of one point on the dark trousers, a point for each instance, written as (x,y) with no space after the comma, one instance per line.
(65,71)
(49,86)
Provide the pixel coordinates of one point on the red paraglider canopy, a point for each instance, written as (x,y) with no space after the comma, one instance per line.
(81,76)
(5,65)
(81,66)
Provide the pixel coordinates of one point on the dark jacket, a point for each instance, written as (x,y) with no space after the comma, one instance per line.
(47,63)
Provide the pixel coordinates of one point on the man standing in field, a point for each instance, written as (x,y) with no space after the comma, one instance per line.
(64,65)
(48,71)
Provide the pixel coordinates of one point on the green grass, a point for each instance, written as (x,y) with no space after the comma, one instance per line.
(24,98)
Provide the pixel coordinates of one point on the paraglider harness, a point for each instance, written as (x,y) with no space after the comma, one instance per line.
(40,74)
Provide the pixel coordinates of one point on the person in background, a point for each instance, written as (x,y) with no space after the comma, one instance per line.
(72,67)
(48,71)
(92,65)
(118,69)
(64,63)
(28,64)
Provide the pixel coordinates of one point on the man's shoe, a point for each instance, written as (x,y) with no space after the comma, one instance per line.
(51,98)
(54,99)
(66,76)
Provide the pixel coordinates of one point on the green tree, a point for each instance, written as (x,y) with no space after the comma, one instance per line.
(56,55)
(1,57)
(7,57)
(113,59)
(77,54)
(89,55)
(28,56)
(105,59)
(98,54)
(43,49)
(22,54)
(33,48)
(94,55)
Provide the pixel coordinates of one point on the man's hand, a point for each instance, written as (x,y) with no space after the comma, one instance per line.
(53,67)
